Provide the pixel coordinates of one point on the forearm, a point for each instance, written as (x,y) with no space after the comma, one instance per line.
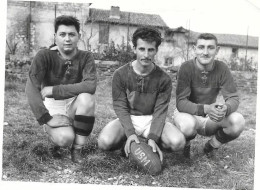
(123,114)
(160,111)
(71,90)
(157,124)
(229,92)
(232,105)
(186,106)
(36,103)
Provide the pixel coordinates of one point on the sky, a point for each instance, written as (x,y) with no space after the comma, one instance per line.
(215,16)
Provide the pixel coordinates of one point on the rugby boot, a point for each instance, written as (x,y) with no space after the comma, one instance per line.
(209,149)
(77,156)
(186,151)
(55,152)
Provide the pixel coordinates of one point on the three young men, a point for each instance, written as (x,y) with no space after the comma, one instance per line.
(61,86)
(62,82)
(198,110)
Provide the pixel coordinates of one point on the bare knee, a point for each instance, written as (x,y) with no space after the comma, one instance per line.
(172,138)
(64,138)
(86,103)
(237,123)
(104,142)
(186,123)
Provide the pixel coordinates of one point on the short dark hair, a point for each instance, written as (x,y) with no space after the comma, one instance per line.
(67,21)
(147,34)
(207,36)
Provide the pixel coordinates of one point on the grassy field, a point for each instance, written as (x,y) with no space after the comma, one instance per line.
(26,158)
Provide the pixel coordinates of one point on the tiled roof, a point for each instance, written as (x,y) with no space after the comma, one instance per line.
(233,40)
(136,19)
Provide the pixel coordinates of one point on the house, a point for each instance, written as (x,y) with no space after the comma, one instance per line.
(114,26)
(232,47)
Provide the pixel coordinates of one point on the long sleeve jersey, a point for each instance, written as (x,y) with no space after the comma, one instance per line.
(68,79)
(141,95)
(196,88)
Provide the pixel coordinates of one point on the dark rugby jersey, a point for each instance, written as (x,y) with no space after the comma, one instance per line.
(196,88)
(49,69)
(141,95)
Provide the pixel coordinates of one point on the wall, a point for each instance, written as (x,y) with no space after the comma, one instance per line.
(35,20)
(167,51)
(246,81)
(226,52)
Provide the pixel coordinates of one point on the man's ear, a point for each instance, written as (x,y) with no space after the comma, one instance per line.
(194,47)
(134,49)
(217,50)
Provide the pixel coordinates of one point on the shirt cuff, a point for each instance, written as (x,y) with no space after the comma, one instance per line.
(129,132)
(44,118)
(201,110)
(153,137)
(228,110)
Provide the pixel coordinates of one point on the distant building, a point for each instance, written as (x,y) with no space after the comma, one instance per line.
(180,40)
(115,26)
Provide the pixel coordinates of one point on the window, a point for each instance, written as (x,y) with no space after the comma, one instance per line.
(234,52)
(103,33)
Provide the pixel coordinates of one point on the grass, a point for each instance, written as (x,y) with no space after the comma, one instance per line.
(26,157)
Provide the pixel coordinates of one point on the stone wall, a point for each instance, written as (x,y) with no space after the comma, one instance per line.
(246,81)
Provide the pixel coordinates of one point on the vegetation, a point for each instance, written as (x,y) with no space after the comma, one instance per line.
(26,156)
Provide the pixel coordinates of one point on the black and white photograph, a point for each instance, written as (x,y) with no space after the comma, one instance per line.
(130,94)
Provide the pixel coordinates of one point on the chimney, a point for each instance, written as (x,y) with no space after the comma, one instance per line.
(115,12)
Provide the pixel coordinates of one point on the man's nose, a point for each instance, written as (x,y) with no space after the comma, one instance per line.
(205,51)
(67,37)
(146,53)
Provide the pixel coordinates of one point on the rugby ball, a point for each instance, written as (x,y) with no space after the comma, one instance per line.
(145,158)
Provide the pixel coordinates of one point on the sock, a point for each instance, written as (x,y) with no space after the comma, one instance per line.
(79,142)
(222,137)
(188,139)
(214,142)
(83,125)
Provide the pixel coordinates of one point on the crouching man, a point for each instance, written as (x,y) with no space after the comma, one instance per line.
(141,94)
(198,110)
(60,89)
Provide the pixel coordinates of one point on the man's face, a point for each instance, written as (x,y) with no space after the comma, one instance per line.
(205,51)
(67,38)
(145,52)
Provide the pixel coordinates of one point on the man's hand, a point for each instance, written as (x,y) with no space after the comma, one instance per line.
(46,91)
(215,111)
(59,120)
(129,140)
(155,148)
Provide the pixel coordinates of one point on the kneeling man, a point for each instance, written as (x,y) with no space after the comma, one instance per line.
(141,93)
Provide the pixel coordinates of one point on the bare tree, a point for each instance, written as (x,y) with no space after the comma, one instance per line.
(87,33)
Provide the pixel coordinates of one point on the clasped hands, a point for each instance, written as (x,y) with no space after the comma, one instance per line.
(216,111)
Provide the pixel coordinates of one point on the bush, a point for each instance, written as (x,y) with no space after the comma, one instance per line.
(122,54)
(239,64)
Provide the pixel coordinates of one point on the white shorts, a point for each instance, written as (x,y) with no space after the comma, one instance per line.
(200,122)
(58,106)
(142,124)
